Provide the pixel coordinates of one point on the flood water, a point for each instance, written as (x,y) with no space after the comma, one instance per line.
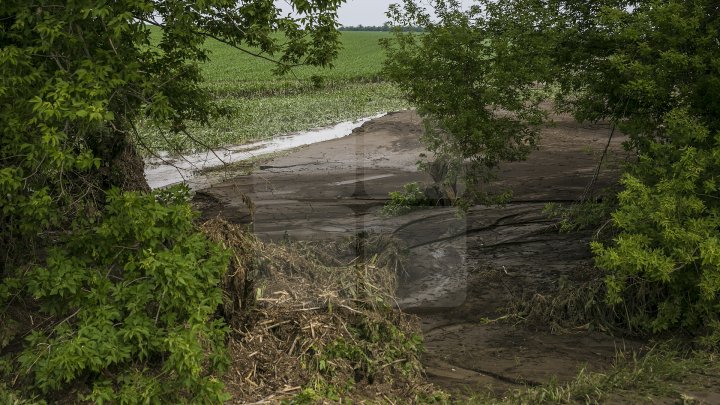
(165,170)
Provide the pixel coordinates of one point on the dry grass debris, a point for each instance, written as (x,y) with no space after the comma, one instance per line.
(238,288)
(323,326)
(571,307)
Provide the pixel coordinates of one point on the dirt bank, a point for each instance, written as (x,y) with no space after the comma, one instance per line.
(463,270)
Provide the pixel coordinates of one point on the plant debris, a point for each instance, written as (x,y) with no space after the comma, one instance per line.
(324,325)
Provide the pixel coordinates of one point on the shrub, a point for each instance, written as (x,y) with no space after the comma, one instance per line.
(402,202)
(130,294)
(667,254)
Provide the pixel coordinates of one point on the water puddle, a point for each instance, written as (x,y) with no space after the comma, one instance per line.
(363,179)
(165,170)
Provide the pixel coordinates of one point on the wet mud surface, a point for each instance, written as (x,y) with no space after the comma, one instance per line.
(463,270)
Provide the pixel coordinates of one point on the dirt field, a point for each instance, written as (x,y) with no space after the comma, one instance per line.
(463,270)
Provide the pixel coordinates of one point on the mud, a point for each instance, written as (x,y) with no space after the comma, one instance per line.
(164,170)
(464,270)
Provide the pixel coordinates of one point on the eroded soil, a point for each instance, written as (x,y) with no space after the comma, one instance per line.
(463,270)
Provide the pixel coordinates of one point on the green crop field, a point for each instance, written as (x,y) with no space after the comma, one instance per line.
(260,104)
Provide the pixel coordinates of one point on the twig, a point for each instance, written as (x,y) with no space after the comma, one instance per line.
(349,309)
(226,42)
(157,314)
(496,224)
(394,362)
(275,325)
(204,145)
(588,189)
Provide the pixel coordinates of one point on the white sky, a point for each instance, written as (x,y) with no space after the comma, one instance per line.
(363,12)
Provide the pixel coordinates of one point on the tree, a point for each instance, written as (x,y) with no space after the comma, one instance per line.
(77,76)
(122,280)
(473,82)
(661,85)
(649,67)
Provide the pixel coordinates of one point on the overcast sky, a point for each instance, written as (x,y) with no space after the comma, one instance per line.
(364,12)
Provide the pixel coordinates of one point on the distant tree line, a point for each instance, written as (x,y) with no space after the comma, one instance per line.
(381,28)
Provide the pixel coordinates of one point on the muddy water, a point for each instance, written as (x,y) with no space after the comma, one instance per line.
(463,270)
(165,170)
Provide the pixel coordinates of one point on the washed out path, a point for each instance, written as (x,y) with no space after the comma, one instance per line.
(463,270)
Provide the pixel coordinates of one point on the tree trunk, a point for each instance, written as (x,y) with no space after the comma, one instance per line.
(122,166)
(127,170)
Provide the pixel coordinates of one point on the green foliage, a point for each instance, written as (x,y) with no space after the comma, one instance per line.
(665,374)
(651,67)
(229,73)
(475,86)
(252,118)
(133,291)
(77,77)
(10,397)
(582,215)
(373,338)
(658,82)
(375,347)
(402,202)
(313,395)
(125,285)
(669,218)
(385,28)
(250,95)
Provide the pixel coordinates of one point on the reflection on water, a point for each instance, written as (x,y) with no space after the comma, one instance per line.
(163,171)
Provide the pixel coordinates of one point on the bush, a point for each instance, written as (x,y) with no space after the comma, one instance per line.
(666,257)
(402,202)
(130,294)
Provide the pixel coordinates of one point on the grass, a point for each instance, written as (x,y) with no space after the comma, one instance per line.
(231,73)
(663,375)
(260,104)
